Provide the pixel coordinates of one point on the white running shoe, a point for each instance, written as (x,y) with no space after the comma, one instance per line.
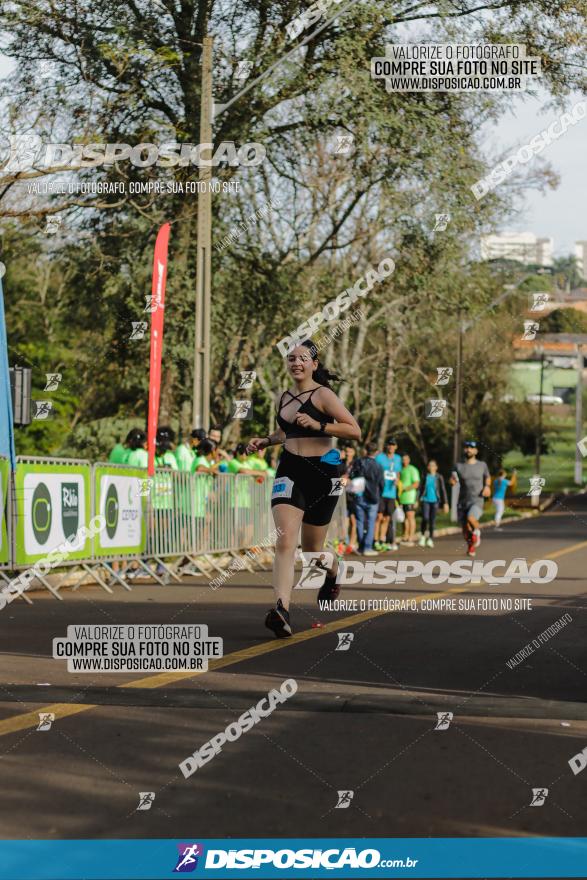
(422,541)
(430,542)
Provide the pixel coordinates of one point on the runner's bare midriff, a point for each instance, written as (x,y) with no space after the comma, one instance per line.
(308,446)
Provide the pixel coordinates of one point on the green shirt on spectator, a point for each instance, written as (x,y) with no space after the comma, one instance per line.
(162,492)
(409,475)
(118,454)
(137,458)
(243,484)
(185,457)
(203,484)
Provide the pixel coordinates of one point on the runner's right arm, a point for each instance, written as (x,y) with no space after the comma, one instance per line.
(273,439)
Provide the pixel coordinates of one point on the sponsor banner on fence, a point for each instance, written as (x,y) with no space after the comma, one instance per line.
(4,477)
(52,503)
(119,498)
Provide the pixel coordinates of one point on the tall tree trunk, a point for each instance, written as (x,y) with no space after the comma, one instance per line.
(389,379)
(167,407)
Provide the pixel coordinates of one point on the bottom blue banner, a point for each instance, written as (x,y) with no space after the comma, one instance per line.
(285,858)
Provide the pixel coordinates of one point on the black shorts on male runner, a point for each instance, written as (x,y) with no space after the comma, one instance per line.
(387,506)
(408,507)
(310,484)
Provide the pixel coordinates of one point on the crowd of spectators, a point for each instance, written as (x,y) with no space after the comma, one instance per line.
(384,491)
(201,452)
(383,488)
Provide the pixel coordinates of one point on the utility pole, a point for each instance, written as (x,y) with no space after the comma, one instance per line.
(457,440)
(456,450)
(579,418)
(539,432)
(535,500)
(201,389)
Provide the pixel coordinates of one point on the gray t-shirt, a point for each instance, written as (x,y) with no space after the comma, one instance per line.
(472,476)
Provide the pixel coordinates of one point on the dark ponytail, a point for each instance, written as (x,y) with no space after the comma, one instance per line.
(321,375)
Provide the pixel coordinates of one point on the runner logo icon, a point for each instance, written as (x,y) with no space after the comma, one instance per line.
(187,860)
(46,719)
(337,486)
(344,800)
(314,571)
(444,719)
(539,796)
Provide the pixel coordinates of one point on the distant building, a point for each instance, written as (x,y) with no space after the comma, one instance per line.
(559,378)
(523,247)
(575,299)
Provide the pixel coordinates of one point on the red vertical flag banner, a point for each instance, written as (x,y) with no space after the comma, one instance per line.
(157,313)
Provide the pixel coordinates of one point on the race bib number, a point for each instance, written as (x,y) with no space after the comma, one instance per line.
(390,475)
(282,488)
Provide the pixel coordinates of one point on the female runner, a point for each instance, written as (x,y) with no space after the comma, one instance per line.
(307,483)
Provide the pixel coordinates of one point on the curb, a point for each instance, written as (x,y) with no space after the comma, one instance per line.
(415,703)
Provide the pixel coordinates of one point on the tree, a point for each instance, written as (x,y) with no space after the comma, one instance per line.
(566,273)
(564,320)
(126,73)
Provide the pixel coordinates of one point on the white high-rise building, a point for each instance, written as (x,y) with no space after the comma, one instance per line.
(581,257)
(524,247)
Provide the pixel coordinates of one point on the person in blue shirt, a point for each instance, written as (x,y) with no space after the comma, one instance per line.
(500,487)
(432,495)
(391,464)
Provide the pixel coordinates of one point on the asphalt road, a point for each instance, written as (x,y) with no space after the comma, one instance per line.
(362,720)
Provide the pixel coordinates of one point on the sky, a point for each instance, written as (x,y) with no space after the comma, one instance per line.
(556,213)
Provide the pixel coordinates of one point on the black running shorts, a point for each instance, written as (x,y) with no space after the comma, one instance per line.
(387,506)
(310,484)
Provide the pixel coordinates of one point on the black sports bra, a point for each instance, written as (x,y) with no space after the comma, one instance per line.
(294,430)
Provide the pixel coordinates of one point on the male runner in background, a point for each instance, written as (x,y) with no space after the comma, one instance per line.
(391,464)
(474,487)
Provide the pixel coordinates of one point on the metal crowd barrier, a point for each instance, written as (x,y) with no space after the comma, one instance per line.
(179,521)
(197,515)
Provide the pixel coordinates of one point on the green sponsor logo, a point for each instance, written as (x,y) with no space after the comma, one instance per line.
(111,511)
(41,513)
(70,510)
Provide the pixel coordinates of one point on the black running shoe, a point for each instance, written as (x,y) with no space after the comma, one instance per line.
(329,589)
(277,621)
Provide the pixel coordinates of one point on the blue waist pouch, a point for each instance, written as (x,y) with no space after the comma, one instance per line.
(331,457)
